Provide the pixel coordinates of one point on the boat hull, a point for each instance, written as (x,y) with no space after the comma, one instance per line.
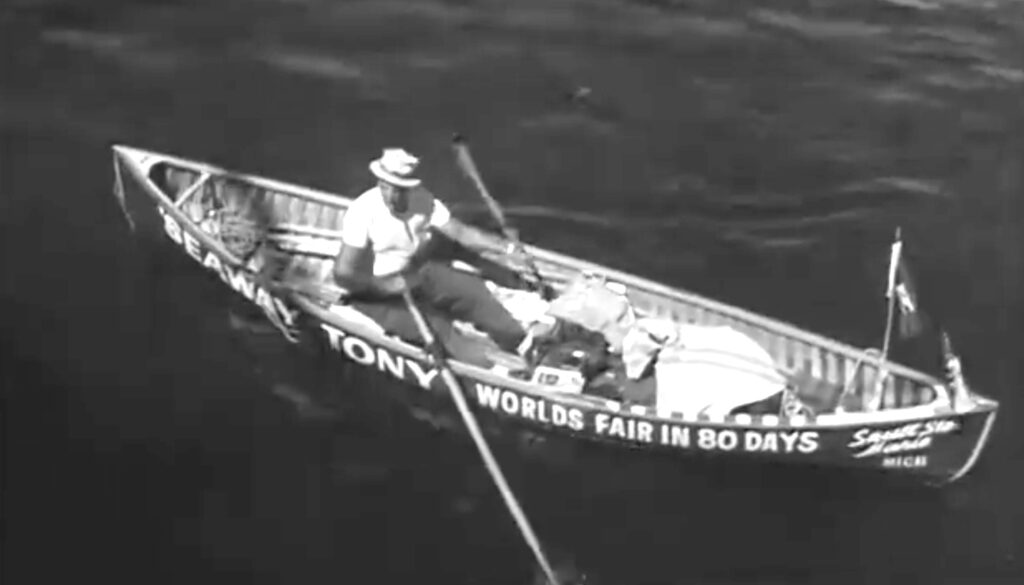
(935,449)
(935,446)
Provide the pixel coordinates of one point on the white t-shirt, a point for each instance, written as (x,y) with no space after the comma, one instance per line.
(369,223)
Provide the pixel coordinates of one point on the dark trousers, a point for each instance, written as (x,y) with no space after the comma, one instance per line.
(444,294)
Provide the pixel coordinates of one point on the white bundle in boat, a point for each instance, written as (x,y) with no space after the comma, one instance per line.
(597,305)
(525,306)
(701,369)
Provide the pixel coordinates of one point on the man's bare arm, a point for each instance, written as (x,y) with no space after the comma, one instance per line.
(347,274)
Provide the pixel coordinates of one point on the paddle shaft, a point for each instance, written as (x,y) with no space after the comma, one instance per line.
(465,160)
(481,443)
(883,373)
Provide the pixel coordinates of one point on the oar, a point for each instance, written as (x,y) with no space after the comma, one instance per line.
(465,161)
(441,363)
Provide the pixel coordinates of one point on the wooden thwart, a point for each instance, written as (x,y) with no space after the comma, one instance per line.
(192,190)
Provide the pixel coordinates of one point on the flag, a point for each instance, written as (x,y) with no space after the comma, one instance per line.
(901,285)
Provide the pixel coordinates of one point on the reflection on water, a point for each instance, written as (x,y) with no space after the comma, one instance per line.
(761,154)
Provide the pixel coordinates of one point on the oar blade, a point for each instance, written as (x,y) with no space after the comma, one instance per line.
(463,158)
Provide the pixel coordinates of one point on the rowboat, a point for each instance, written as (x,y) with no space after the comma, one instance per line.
(908,424)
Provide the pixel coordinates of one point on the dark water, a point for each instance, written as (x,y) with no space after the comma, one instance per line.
(758,152)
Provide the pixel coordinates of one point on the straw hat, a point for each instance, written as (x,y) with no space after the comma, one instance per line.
(396,166)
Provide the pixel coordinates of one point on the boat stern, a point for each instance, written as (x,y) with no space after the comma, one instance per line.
(983,411)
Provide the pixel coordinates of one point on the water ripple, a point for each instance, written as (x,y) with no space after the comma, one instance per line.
(915,4)
(314,64)
(135,50)
(902,185)
(820,29)
(1014,75)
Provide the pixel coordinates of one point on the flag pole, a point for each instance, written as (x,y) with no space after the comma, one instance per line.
(894,260)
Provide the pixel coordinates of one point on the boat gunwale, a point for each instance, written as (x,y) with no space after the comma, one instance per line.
(831,422)
(774,326)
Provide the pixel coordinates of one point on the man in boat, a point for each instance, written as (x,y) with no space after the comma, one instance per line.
(385,250)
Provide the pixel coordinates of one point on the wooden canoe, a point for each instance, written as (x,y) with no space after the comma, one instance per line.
(916,431)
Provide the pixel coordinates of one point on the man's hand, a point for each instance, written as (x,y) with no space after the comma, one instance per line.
(392,285)
(521,262)
(517,258)
(396,284)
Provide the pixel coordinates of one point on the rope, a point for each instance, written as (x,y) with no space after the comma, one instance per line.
(240,234)
(868,352)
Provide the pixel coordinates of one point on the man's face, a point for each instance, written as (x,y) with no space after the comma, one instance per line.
(396,197)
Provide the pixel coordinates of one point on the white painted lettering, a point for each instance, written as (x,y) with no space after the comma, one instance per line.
(542,412)
(808,442)
(789,440)
(752,441)
(706,439)
(362,352)
(576,419)
(639,430)
(488,396)
(263,301)
(192,246)
(172,228)
(212,261)
(358,350)
(644,431)
(529,406)
(727,440)
(424,377)
(768,442)
(559,416)
(679,437)
(334,336)
(617,428)
(510,402)
(911,462)
(907,438)
(388,363)
(238,281)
